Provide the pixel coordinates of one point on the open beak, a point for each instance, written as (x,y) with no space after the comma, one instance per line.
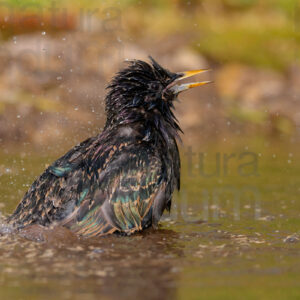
(176,88)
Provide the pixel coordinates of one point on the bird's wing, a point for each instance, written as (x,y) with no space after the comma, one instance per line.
(54,190)
(127,196)
(118,188)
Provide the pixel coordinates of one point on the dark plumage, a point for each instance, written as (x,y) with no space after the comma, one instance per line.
(123,179)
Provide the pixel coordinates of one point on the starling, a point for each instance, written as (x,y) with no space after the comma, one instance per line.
(121,180)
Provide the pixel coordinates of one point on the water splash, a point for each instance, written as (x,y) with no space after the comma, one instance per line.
(5,228)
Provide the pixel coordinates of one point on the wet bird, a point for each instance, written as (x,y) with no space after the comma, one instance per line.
(121,180)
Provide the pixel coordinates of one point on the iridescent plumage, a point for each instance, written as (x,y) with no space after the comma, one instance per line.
(123,179)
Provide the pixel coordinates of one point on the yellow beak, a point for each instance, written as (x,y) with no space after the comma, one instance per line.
(177,88)
(188,74)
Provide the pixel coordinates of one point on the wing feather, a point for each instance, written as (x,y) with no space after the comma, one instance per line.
(130,192)
(97,191)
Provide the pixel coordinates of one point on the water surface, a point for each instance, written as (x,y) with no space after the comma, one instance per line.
(234,232)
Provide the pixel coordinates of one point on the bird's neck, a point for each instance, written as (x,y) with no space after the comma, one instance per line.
(154,122)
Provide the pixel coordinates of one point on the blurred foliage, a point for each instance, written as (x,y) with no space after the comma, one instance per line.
(256,32)
(251,44)
(259,33)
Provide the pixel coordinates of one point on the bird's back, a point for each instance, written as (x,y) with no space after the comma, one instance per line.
(119,181)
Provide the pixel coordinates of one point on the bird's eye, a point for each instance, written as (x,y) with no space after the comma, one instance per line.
(155,87)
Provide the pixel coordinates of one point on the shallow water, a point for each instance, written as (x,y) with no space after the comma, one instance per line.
(234,232)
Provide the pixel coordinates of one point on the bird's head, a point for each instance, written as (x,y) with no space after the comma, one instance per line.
(144,90)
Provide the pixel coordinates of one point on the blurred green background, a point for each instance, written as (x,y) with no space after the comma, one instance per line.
(229,236)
